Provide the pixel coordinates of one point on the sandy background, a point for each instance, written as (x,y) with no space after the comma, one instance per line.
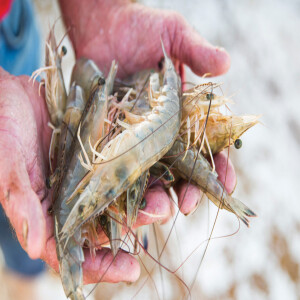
(261,262)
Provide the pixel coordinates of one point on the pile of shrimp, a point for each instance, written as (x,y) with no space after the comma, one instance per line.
(109,136)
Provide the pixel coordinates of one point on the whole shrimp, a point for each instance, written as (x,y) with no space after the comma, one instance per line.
(71,257)
(69,251)
(195,167)
(130,153)
(55,91)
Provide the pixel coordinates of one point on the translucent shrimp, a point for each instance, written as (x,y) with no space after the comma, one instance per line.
(69,250)
(71,257)
(221,130)
(205,179)
(86,74)
(130,153)
(55,91)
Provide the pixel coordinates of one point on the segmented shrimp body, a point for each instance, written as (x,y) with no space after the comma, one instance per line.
(195,167)
(90,116)
(55,91)
(130,153)
(70,255)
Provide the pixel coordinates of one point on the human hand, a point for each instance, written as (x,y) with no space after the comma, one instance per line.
(130,33)
(26,166)
(24,149)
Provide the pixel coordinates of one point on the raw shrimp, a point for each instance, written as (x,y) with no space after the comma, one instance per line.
(87,75)
(70,257)
(196,167)
(69,251)
(221,130)
(130,154)
(135,195)
(55,91)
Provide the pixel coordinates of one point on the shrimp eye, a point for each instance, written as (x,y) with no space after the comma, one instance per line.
(103,220)
(132,194)
(101,81)
(210,96)
(161,64)
(48,183)
(64,50)
(81,208)
(238,143)
(143,204)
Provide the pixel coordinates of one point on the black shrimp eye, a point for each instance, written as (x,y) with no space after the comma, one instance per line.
(48,183)
(81,208)
(210,96)
(103,220)
(132,194)
(238,143)
(161,64)
(64,50)
(101,81)
(143,204)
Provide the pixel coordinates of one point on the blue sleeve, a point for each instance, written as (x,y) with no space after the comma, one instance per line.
(19,55)
(19,40)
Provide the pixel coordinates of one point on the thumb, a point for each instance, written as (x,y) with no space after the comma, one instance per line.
(193,50)
(21,205)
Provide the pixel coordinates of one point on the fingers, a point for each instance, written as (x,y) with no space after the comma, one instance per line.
(158,207)
(225,170)
(190,48)
(20,203)
(189,197)
(106,268)
(23,209)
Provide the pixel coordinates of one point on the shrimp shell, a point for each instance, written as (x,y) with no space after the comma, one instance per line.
(205,179)
(131,153)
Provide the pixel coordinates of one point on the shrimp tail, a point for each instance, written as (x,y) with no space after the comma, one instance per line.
(241,210)
(77,296)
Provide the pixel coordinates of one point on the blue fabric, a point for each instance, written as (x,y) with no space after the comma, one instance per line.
(16,259)
(19,40)
(19,55)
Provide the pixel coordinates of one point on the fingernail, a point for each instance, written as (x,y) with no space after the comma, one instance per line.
(193,210)
(25,232)
(196,205)
(220,48)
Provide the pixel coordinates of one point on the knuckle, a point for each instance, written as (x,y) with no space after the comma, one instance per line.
(174,25)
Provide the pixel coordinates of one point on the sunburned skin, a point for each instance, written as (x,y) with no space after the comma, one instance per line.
(25,135)
(182,41)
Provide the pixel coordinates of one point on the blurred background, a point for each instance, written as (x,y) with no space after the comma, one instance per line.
(260,262)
